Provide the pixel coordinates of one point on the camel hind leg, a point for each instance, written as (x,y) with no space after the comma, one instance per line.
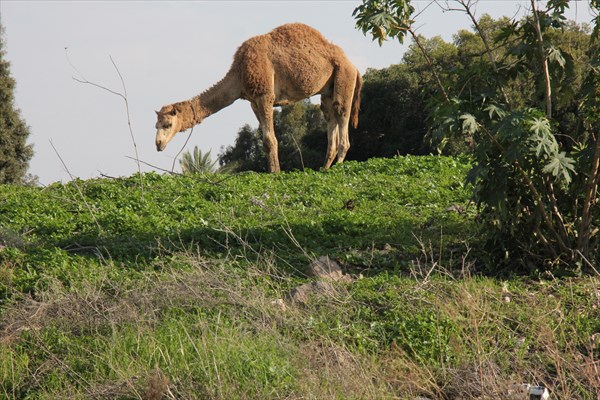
(343,91)
(332,129)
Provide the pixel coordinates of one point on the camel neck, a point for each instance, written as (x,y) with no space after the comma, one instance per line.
(190,112)
(217,97)
(220,95)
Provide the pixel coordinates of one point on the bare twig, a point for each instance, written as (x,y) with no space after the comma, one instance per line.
(415,16)
(180,174)
(588,262)
(299,151)
(467,8)
(430,63)
(181,150)
(100,231)
(123,96)
(129,122)
(106,176)
(155,167)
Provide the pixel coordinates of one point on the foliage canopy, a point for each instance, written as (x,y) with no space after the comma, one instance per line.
(524,98)
(15,153)
(302,135)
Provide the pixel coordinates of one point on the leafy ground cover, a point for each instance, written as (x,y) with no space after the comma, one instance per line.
(112,290)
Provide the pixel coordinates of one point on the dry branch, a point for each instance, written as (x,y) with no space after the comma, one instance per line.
(100,231)
(123,96)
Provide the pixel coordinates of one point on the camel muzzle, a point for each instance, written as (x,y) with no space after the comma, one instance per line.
(161,141)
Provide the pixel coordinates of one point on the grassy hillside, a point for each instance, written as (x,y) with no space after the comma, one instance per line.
(169,289)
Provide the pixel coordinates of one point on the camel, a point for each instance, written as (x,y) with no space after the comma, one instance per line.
(288,64)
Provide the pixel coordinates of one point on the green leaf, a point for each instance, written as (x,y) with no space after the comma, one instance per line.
(493,109)
(469,123)
(555,55)
(561,166)
(383,19)
(545,145)
(544,142)
(540,126)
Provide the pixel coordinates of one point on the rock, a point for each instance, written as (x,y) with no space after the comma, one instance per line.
(538,392)
(279,303)
(303,293)
(518,391)
(525,391)
(327,269)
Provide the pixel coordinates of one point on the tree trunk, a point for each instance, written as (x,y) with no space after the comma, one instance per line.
(543,60)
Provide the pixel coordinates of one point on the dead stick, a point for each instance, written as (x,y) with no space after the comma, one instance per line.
(78,188)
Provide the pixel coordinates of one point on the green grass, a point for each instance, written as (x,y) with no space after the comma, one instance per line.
(168,291)
(396,201)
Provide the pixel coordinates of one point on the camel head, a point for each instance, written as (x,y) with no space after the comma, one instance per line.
(167,125)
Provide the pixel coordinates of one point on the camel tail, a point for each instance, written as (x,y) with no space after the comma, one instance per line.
(356,100)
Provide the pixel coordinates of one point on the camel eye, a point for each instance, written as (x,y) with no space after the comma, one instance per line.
(167,126)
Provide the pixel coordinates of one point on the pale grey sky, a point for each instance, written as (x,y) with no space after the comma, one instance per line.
(167,51)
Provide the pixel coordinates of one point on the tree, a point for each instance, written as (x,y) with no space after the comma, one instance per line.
(196,162)
(393,103)
(301,135)
(15,153)
(536,166)
(392,120)
(246,154)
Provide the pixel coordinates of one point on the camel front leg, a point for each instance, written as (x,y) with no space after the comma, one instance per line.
(263,109)
(332,130)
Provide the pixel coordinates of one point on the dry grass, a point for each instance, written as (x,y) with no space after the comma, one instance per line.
(195,332)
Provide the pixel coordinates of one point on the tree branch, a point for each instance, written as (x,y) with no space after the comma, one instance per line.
(590,199)
(488,50)
(543,59)
(430,63)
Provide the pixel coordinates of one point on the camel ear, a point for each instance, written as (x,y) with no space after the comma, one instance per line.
(173,111)
(157,113)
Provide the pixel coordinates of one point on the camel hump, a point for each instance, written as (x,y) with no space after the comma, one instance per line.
(303,42)
(296,32)
(295,56)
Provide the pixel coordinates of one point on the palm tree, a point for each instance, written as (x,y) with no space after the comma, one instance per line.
(196,162)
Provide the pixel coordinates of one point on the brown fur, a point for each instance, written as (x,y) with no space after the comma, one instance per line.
(356,101)
(288,64)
